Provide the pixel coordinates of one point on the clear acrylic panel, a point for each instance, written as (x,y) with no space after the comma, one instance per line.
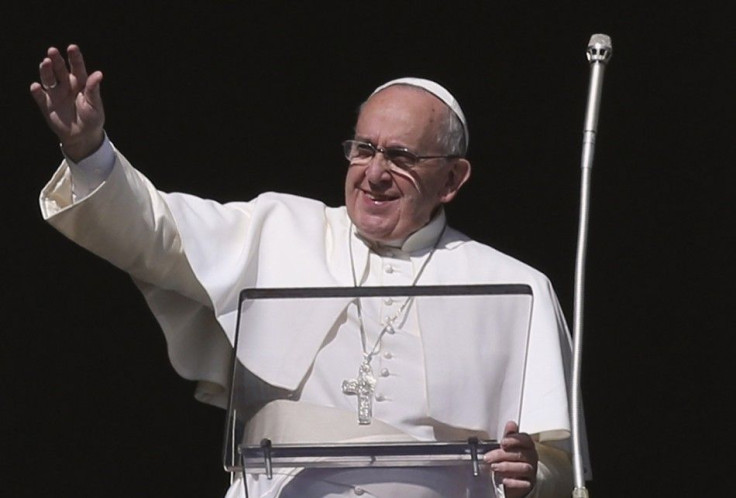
(285,337)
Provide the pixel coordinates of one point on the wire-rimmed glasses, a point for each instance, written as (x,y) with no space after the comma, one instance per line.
(360,152)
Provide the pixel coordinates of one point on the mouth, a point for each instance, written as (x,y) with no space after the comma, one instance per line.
(378,198)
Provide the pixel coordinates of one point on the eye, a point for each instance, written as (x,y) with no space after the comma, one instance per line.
(363,150)
(401,157)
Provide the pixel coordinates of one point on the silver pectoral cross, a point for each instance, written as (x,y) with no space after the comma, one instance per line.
(364,387)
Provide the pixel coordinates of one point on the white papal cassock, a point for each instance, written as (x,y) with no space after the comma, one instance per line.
(191,257)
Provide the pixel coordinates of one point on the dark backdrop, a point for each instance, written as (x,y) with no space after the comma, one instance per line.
(227,99)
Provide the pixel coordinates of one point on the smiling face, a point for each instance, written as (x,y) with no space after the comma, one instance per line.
(388,204)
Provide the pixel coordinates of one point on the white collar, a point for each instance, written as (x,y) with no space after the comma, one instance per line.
(419,246)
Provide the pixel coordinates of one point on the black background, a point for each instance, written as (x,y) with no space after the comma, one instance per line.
(227,99)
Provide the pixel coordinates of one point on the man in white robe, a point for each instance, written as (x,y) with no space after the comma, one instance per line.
(191,257)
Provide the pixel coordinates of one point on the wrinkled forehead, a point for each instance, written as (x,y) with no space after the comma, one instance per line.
(402,114)
(435,89)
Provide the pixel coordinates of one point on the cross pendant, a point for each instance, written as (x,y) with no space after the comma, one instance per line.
(363,386)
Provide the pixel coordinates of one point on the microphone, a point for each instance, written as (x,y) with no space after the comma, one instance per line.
(599,52)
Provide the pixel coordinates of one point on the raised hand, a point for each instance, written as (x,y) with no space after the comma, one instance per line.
(70,101)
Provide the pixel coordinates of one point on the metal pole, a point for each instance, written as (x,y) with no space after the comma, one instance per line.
(599,52)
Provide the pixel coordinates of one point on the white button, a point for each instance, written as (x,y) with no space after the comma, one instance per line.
(390,329)
(380,397)
(358,491)
(388,301)
(389,269)
(384,372)
(388,355)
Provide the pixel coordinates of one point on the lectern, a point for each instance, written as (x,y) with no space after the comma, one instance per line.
(470,342)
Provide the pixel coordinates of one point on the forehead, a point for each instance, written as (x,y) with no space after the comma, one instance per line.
(402,113)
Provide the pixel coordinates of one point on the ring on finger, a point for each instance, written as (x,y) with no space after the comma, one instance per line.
(50,87)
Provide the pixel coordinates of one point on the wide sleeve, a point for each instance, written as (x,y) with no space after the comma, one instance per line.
(127,222)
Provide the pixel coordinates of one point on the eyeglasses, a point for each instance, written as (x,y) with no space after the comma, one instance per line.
(359,152)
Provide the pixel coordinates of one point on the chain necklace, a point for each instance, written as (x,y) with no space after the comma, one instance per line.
(364,385)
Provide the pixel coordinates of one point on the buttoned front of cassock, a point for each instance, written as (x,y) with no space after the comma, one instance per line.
(399,361)
(393,341)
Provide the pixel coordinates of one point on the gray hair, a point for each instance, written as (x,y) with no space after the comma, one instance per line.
(451,136)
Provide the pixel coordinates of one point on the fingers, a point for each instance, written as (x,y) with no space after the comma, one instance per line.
(513,455)
(58,66)
(55,75)
(515,488)
(515,461)
(519,447)
(514,471)
(91,93)
(46,74)
(76,63)
(38,94)
(511,427)
(515,440)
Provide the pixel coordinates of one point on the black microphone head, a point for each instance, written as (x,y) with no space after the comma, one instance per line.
(600,48)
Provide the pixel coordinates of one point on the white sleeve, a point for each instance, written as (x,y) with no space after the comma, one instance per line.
(554,473)
(90,172)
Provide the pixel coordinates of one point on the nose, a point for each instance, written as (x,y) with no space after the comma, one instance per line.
(378,169)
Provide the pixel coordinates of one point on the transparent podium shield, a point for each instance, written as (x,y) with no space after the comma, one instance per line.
(470,342)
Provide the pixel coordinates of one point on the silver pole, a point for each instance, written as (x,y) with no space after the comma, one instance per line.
(599,52)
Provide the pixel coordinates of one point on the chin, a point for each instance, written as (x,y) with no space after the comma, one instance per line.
(374,232)
(374,235)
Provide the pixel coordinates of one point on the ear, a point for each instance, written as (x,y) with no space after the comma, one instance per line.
(457,175)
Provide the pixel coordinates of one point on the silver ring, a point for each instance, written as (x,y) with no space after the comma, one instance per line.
(51,87)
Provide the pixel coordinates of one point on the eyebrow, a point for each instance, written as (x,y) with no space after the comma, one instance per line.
(390,146)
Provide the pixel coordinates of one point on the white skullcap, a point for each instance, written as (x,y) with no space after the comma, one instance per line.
(438,91)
